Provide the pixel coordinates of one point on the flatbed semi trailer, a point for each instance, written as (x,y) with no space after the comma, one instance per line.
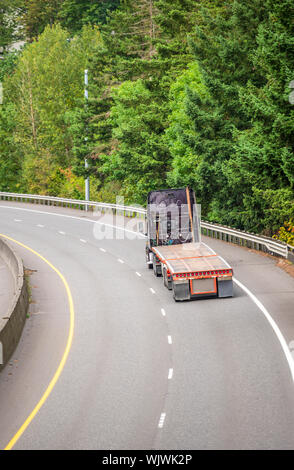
(174,249)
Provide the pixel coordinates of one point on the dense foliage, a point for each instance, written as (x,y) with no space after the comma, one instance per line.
(180,92)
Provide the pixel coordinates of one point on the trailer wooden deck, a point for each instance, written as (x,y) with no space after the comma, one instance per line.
(191,258)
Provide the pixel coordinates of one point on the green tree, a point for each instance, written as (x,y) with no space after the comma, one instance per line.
(140,46)
(47,83)
(127,54)
(8,63)
(74,14)
(140,157)
(264,162)
(10,26)
(225,39)
(38,14)
(180,134)
(10,154)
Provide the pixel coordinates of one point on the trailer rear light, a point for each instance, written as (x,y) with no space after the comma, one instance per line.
(182,275)
(224,272)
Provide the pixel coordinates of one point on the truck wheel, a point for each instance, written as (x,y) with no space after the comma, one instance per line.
(149,265)
(157,270)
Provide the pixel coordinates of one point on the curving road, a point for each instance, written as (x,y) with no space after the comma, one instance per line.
(143,372)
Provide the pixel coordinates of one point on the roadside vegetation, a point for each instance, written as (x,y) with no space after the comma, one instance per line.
(180,93)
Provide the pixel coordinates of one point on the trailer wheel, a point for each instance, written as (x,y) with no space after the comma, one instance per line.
(165,283)
(156,267)
(157,270)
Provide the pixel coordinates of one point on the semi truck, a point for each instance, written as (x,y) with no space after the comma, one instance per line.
(174,249)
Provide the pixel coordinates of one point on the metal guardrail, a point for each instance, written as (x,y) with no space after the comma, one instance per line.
(290,254)
(251,240)
(74,203)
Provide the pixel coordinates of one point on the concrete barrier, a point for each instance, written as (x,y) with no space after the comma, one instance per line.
(12,322)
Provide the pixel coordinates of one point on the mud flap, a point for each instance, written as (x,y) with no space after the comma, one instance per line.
(225,287)
(181,291)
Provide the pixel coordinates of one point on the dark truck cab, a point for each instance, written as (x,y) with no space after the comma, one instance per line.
(174,249)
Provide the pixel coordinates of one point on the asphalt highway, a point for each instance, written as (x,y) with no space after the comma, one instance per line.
(143,372)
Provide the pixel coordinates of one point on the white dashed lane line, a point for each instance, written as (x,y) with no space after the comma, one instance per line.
(161,420)
(169,338)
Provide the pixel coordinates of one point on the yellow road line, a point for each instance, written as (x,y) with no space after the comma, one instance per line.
(65,354)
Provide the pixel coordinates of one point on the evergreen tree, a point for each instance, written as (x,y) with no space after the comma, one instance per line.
(264,163)
(74,14)
(225,39)
(180,134)
(140,157)
(141,46)
(127,53)
(38,14)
